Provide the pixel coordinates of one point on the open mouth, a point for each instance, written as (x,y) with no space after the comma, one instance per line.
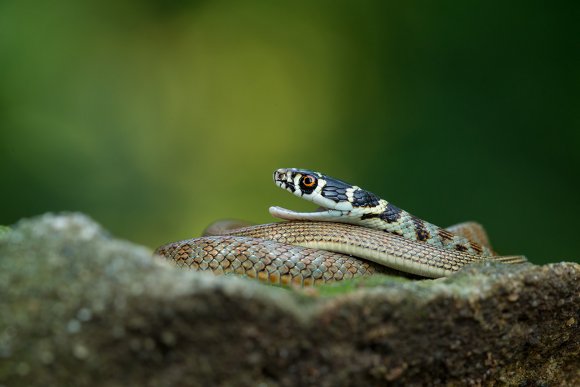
(322,213)
(288,180)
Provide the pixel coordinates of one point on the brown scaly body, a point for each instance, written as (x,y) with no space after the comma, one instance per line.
(267,261)
(275,259)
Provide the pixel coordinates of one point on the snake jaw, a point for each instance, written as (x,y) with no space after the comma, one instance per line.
(327,215)
(332,198)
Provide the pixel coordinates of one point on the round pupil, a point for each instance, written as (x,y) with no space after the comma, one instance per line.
(308,180)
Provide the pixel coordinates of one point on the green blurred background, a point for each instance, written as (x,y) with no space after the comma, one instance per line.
(157,117)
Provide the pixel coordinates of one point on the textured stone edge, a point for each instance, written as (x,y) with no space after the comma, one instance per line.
(113,314)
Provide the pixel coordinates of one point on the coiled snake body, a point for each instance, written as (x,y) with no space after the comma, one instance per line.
(355,233)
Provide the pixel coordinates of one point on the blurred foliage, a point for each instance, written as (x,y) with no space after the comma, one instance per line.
(157,117)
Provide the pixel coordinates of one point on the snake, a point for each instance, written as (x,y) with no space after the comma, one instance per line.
(353,233)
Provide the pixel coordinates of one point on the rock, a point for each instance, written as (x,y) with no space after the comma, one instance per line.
(80,308)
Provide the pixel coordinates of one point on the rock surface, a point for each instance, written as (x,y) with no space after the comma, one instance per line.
(80,308)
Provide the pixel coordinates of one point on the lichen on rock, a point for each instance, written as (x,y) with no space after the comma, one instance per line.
(80,308)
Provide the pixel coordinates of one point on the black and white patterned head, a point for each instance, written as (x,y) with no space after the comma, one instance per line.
(337,198)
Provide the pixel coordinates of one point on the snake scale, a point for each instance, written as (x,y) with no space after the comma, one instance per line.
(354,233)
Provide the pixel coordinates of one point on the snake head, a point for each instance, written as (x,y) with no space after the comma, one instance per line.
(338,200)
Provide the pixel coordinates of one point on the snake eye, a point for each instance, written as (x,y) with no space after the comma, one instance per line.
(308,181)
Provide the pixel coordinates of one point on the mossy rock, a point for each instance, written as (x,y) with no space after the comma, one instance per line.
(80,308)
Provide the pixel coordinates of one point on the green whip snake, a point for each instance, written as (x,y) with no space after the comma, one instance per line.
(354,233)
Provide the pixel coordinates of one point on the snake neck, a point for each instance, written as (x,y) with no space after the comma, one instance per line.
(388,217)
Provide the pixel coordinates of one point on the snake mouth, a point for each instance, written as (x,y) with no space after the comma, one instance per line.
(323,214)
(312,186)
